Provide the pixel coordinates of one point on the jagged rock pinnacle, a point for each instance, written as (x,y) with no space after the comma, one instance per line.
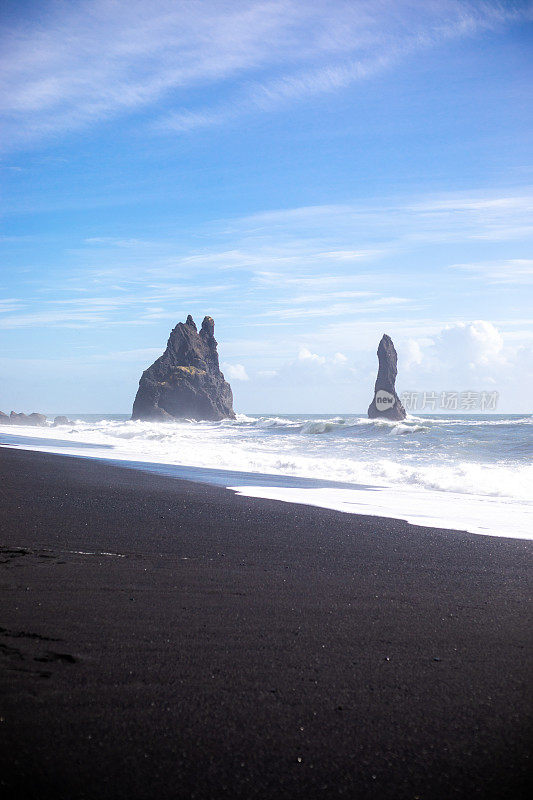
(186,380)
(208,326)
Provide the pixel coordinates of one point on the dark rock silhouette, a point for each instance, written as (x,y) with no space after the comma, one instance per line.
(62,421)
(386,402)
(27,419)
(186,380)
(4,419)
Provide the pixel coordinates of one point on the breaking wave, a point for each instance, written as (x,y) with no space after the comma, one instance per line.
(471,457)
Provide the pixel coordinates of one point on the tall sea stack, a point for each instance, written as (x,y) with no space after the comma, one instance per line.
(186,380)
(386,402)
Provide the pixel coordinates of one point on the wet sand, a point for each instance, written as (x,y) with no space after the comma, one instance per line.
(167,639)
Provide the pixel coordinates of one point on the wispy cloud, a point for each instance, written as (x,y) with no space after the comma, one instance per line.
(271,95)
(130,308)
(73,65)
(327,310)
(10,304)
(399,222)
(289,265)
(56,318)
(110,241)
(317,246)
(370,40)
(511,271)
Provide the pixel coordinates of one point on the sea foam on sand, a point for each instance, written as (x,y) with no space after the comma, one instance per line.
(465,473)
(474,513)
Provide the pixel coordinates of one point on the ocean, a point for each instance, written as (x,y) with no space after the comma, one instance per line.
(461,472)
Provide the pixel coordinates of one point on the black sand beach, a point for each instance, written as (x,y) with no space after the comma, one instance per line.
(243,648)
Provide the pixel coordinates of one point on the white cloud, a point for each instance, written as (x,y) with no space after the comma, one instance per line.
(477,344)
(110,241)
(277,267)
(339,358)
(310,368)
(10,304)
(412,353)
(321,297)
(271,95)
(235,372)
(98,58)
(349,255)
(323,311)
(469,356)
(398,223)
(66,319)
(73,65)
(141,355)
(433,355)
(310,380)
(511,271)
(308,358)
(367,41)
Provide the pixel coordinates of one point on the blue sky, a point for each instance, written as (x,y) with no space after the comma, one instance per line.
(310,174)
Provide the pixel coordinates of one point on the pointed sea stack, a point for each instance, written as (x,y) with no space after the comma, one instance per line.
(386,402)
(186,380)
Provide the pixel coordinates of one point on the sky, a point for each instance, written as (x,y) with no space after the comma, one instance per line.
(310,174)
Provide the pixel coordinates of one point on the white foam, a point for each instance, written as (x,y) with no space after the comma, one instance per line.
(473,513)
(418,473)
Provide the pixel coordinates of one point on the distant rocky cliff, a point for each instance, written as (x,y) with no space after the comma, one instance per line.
(31,419)
(23,419)
(186,380)
(386,402)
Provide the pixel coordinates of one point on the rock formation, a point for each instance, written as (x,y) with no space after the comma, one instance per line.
(186,380)
(386,402)
(27,419)
(62,421)
(31,419)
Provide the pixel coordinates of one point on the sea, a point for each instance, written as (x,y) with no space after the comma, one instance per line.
(459,472)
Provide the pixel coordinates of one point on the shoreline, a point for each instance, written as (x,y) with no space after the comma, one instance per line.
(165,638)
(479,514)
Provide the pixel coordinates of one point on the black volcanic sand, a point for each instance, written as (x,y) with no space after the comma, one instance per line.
(245,648)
